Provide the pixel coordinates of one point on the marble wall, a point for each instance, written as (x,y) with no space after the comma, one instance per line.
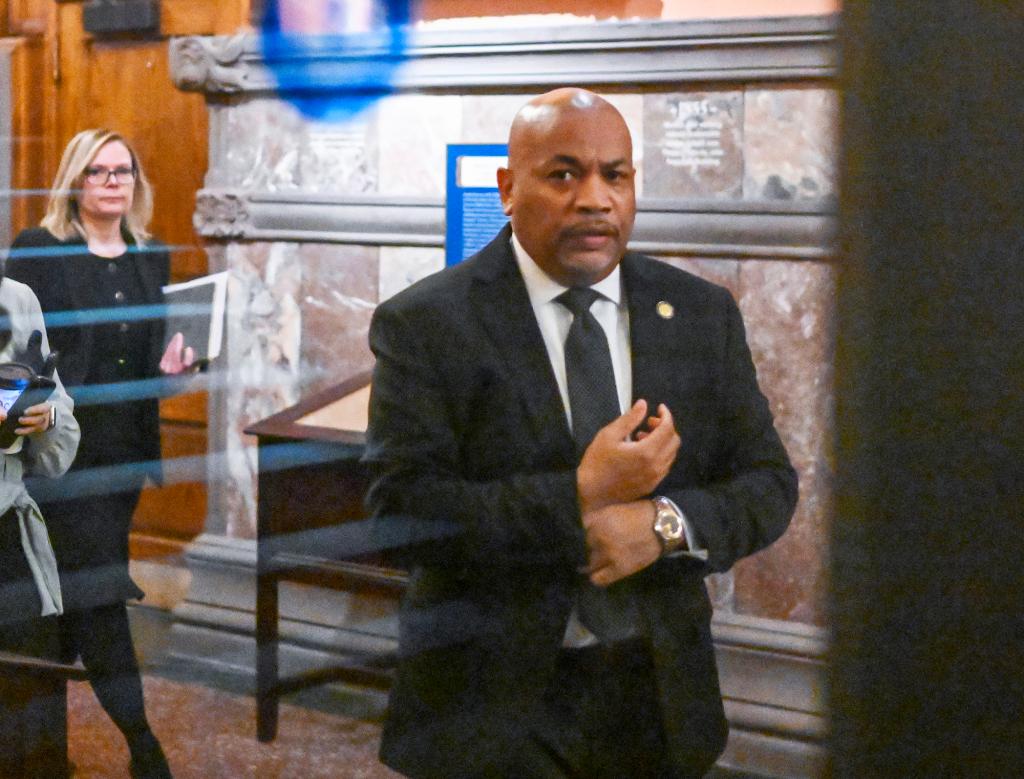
(299,312)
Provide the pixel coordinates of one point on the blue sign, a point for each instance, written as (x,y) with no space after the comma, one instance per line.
(473,213)
(333,58)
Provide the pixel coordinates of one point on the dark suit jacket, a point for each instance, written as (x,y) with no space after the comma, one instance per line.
(90,535)
(53,269)
(468,434)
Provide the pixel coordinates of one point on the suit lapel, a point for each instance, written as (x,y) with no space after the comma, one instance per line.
(653,336)
(502,306)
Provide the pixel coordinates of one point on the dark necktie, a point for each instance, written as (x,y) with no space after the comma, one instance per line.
(593,398)
(593,403)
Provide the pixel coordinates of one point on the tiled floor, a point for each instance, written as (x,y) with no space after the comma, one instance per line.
(206,718)
(208,733)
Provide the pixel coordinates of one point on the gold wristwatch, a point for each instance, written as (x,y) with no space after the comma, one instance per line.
(668,525)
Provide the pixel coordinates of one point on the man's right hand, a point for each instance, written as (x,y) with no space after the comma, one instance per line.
(617,469)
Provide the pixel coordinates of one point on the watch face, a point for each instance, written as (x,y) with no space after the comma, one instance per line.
(668,525)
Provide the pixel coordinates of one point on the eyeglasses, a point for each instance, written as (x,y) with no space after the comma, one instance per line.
(96,174)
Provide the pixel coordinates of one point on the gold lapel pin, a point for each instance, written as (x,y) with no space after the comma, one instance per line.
(665,309)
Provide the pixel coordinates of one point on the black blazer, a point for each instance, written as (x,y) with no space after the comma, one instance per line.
(468,435)
(54,271)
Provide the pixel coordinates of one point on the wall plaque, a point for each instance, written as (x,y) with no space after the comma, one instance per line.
(693,145)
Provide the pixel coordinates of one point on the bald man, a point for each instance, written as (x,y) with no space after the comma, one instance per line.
(578,434)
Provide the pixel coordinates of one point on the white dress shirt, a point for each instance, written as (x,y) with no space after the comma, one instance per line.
(554,320)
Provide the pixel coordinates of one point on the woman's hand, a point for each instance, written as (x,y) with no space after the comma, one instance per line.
(35,419)
(177,357)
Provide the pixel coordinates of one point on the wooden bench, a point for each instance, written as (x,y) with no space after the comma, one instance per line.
(311,490)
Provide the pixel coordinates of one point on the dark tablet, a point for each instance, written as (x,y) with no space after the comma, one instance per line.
(20,388)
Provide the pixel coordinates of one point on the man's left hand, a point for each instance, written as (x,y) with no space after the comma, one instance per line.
(620,541)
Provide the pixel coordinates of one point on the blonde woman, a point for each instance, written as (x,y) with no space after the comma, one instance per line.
(98,276)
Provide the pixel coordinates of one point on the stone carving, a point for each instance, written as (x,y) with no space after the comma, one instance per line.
(221,214)
(210,64)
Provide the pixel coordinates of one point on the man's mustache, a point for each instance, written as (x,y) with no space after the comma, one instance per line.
(590,228)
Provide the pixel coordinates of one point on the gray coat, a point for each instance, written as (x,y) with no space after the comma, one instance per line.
(47,454)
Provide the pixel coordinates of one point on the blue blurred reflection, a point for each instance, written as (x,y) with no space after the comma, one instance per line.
(333,58)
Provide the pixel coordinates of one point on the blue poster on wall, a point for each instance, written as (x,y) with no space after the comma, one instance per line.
(473,212)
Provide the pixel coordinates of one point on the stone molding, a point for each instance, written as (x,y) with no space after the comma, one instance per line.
(222,214)
(738,229)
(772,675)
(607,53)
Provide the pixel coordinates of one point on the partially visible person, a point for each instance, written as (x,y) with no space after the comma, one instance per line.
(30,597)
(93,255)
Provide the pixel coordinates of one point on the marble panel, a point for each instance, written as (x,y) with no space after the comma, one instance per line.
(487,118)
(400,266)
(725,273)
(788,308)
(790,143)
(337,296)
(414,132)
(340,157)
(261,372)
(693,144)
(257,146)
(265,145)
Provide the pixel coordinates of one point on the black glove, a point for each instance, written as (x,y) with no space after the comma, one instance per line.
(33,356)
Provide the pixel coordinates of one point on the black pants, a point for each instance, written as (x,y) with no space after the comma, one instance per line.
(101,636)
(90,539)
(91,542)
(33,724)
(604,719)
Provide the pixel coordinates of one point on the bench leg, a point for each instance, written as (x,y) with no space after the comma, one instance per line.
(266,658)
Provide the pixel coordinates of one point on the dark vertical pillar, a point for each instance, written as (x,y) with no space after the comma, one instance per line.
(928,544)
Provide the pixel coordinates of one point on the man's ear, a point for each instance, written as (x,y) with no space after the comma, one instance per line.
(505,180)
